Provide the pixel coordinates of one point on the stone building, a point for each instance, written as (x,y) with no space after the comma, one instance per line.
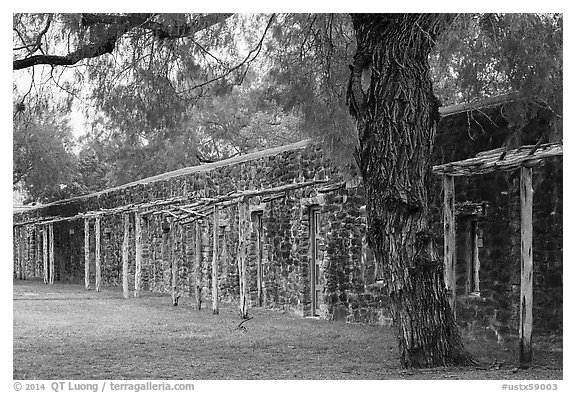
(289,229)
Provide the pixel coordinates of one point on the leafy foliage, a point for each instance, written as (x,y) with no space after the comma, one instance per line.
(483,55)
(179,89)
(43,159)
(311,73)
(243,121)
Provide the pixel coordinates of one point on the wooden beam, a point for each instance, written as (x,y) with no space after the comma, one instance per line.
(526,267)
(198,265)
(235,198)
(450,240)
(488,162)
(51,252)
(87,253)
(478,104)
(203,203)
(126,221)
(97,254)
(45,253)
(243,234)
(138,241)
(216,227)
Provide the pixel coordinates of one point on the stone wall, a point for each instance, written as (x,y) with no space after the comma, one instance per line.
(350,281)
(494,313)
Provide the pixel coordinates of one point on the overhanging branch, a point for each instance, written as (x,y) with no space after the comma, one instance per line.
(118,25)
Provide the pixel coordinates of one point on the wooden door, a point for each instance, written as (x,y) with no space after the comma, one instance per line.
(315,261)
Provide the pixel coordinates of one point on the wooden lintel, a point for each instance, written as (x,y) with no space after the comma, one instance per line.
(477,209)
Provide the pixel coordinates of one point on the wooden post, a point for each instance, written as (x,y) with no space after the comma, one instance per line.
(86,253)
(259,253)
(138,241)
(198,265)
(468,255)
(26,250)
(173,263)
(215,309)
(15,248)
(526,266)
(45,253)
(475,260)
(126,219)
(450,240)
(243,233)
(16,252)
(97,253)
(51,252)
(22,251)
(38,263)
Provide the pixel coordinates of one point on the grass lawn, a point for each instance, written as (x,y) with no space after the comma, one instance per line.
(64,332)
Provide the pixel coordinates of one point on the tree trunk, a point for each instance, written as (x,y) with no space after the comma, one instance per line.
(390,95)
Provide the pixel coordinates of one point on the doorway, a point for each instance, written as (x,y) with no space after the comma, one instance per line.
(315,261)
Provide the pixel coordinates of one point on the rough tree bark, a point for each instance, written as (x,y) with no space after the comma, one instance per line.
(390,96)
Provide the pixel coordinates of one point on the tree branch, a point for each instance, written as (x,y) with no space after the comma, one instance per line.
(38,42)
(120,24)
